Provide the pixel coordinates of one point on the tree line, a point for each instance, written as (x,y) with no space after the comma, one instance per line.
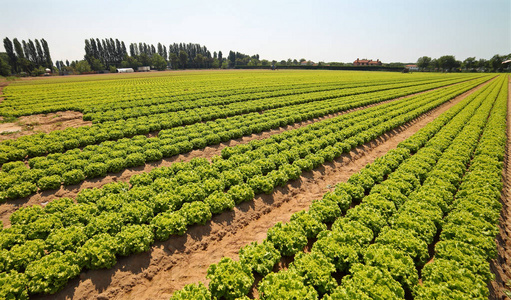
(30,57)
(110,54)
(448,63)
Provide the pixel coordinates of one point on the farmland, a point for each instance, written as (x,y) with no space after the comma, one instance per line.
(308,184)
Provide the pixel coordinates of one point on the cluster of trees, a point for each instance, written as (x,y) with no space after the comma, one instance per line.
(448,63)
(30,57)
(110,54)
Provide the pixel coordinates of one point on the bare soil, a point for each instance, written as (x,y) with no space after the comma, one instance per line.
(170,265)
(501,266)
(46,123)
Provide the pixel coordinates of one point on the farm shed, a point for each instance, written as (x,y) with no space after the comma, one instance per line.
(125,70)
(144,69)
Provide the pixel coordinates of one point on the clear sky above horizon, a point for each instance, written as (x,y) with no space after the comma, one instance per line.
(321,30)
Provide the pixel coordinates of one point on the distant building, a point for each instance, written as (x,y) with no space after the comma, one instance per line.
(367,62)
(306,63)
(125,70)
(412,67)
(144,69)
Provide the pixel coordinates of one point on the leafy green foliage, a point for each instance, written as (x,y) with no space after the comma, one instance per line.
(52,272)
(288,238)
(229,279)
(316,269)
(259,258)
(13,285)
(219,202)
(99,252)
(134,239)
(308,223)
(368,282)
(285,285)
(167,224)
(192,291)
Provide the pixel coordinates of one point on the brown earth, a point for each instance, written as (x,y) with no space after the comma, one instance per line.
(7,208)
(46,123)
(501,266)
(170,265)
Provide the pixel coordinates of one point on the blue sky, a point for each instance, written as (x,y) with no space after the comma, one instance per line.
(321,30)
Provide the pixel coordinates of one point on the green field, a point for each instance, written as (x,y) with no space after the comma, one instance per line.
(373,237)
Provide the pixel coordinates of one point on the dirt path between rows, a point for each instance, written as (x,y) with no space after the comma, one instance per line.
(501,266)
(7,208)
(170,265)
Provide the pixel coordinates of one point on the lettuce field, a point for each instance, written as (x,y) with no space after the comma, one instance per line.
(256,185)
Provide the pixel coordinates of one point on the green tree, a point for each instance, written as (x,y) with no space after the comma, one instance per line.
(199,60)
(174,60)
(215,64)
(232,59)
(183,58)
(159,62)
(9,48)
(496,63)
(97,65)
(40,54)
(423,62)
(447,62)
(46,52)
(469,63)
(483,64)
(83,67)
(5,68)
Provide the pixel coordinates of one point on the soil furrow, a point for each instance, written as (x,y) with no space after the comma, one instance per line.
(170,265)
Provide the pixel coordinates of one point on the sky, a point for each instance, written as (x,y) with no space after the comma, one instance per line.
(320,30)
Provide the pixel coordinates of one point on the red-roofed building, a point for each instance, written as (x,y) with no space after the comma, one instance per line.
(412,67)
(367,62)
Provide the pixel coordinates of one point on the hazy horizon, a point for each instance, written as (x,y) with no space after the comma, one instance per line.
(389,30)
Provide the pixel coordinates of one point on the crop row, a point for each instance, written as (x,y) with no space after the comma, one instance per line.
(381,243)
(45,247)
(223,96)
(29,98)
(259,101)
(71,138)
(467,238)
(93,161)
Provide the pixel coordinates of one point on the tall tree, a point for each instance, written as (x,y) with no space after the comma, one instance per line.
(18,48)
(9,48)
(423,62)
(496,63)
(174,60)
(133,49)
(469,63)
(40,53)
(183,58)
(220,57)
(232,59)
(199,59)
(47,56)
(33,52)
(447,62)
(158,62)
(5,68)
